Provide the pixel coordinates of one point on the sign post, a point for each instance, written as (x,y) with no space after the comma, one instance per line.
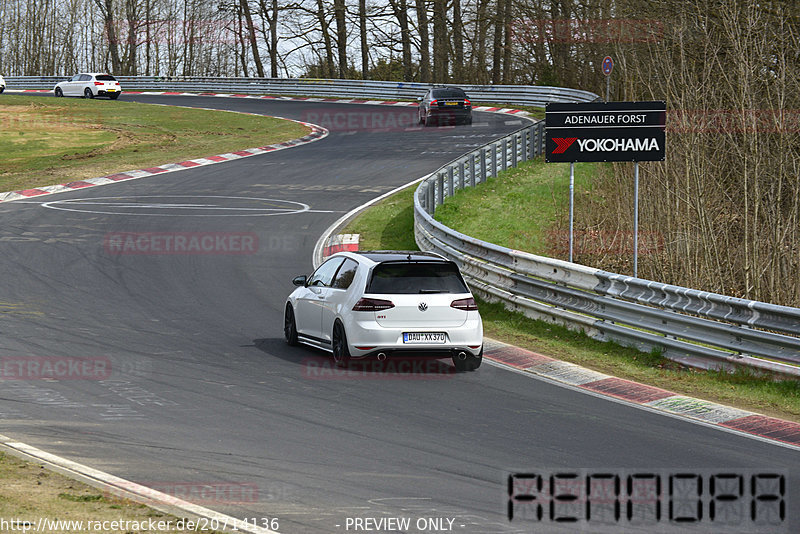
(608,66)
(618,131)
(571,205)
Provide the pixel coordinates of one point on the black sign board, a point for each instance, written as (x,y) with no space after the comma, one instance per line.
(614,131)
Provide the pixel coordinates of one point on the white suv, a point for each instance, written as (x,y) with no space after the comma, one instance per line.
(2,84)
(89,85)
(386,303)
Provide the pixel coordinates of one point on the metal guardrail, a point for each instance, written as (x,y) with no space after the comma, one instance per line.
(521,95)
(693,327)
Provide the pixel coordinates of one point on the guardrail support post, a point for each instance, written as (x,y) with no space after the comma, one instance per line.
(495,147)
(462,170)
(483,165)
(440,187)
(514,146)
(449,182)
(431,197)
(472,169)
(523,150)
(505,153)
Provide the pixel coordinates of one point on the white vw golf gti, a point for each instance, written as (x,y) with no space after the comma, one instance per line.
(384,304)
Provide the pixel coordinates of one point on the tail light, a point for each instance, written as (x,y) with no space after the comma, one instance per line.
(98,83)
(373,305)
(434,102)
(464,304)
(467,102)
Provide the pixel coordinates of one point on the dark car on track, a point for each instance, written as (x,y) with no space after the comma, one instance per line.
(445,105)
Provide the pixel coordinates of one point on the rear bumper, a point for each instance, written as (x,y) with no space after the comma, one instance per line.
(374,339)
(103,92)
(459,113)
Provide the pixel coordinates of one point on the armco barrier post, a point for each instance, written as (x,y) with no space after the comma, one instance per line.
(449,182)
(514,146)
(494,159)
(472,169)
(523,151)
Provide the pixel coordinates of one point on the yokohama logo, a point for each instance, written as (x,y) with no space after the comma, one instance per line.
(563,144)
(617,145)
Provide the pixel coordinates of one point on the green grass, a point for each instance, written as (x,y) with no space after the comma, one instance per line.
(389,225)
(47,140)
(518,209)
(29,492)
(385,225)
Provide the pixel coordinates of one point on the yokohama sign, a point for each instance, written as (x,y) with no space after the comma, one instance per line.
(616,131)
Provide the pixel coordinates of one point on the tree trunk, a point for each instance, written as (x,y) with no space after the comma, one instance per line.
(458,43)
(273,40)
(400,9)
(482,23)
(424,42)
(362,26)
(328,68)
(507,70)
(107,10)
(340,12)
(497,42)
(251,35)
(440,41)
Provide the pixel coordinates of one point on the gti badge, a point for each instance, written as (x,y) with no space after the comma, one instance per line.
(422,306)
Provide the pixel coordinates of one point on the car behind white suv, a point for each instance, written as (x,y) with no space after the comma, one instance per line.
(89,85)
(386,303)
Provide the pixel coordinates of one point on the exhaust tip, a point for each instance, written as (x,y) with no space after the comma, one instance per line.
(462,355)
(381,356)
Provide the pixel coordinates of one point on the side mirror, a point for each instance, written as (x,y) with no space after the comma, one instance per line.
(300,280)
(419,99)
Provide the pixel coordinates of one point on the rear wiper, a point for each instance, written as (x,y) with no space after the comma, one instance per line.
(432,291)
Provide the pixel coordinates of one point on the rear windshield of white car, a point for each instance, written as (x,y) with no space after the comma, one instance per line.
(411,278)
(106,78)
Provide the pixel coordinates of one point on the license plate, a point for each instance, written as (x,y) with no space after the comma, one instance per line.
(111,90)
(424,337)
(451,103)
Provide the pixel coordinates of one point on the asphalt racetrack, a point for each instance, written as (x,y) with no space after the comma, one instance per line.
(196,386)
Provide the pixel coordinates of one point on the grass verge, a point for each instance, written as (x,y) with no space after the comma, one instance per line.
(389,225)
(47,140)
(30,493)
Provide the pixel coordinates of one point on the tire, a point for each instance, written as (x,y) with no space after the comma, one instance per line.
(87,93)
(289,326)
(341,352)
(2,89)
(419,115)
(470,363)
(59,92)
(114,96)
(468,120)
